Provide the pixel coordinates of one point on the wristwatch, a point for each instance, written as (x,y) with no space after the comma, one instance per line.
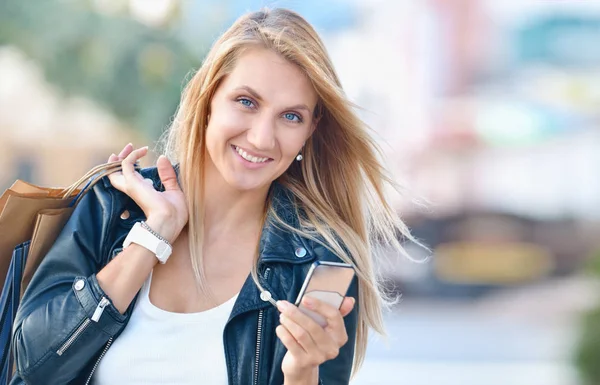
(144,236)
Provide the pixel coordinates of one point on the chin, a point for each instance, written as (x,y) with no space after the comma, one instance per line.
(247,184)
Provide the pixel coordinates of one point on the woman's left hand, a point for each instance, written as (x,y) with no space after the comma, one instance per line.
(309,344)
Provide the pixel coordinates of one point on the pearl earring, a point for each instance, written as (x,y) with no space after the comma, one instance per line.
(299,157)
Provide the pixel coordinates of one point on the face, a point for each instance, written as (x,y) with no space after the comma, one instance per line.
(261,116)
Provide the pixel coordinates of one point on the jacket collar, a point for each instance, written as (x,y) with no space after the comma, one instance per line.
(277,243)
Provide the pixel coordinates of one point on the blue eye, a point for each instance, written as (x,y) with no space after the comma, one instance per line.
(246,102)
(293,117)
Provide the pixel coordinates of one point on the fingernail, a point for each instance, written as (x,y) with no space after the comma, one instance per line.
(282,305)
(353,301)
(308,302)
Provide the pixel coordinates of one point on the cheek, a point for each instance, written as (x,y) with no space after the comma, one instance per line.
(291,142)
(225,125)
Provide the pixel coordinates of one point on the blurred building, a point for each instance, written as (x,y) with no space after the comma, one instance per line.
(488,112)
(485,110)
(47,138)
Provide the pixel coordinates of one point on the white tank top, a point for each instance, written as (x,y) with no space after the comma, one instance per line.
(161,347)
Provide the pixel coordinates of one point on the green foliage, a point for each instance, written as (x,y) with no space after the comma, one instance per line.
(587,352)
(134,71)
(587,356)
(593,265)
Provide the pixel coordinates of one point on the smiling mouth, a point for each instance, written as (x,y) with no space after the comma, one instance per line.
(248,157)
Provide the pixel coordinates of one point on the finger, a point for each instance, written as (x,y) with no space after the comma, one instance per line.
(326,310)
(333,316)
(300,334)
(289,342)
(166,172)
(129,161)
(347,306)
(126,151)
(113,158)
(113,177)
(318,345)
(315,330)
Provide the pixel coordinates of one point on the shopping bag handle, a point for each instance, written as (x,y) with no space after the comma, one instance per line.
(91,178)
(99,171)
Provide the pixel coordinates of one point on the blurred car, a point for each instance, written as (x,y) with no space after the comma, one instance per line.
(472,253)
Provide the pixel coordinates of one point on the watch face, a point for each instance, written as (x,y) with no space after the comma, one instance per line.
(161,249)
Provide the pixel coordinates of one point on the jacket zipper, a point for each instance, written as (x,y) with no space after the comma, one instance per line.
(259,335)
(95,318)
(110,340)
(73,337)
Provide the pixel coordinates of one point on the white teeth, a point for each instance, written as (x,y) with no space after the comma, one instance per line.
(249,158)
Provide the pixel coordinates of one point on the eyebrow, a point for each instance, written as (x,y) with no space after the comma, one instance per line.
(256,95)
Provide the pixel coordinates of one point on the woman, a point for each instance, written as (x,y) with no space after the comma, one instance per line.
(274,172)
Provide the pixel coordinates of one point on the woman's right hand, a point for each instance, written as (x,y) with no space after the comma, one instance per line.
(166,211)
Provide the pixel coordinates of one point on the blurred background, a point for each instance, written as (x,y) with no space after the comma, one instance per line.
(488,111)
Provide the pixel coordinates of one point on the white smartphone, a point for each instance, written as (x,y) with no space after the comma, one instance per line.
(327,282)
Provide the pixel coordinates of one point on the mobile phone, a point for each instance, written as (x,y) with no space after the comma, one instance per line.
(327,282)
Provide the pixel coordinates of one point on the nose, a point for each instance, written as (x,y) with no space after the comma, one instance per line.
(262,133)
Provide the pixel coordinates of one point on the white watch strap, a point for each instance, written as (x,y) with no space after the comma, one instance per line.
(139,235)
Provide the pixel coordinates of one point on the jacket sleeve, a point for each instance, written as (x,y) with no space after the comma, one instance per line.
(338,370)
(55,333)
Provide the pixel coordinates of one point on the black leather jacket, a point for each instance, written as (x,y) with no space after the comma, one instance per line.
(66,323)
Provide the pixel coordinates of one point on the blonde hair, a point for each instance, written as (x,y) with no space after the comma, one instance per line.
(339,185)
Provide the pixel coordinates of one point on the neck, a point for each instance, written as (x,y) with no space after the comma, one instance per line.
(230,210)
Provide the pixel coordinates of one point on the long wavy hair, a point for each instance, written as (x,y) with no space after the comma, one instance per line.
(339,186)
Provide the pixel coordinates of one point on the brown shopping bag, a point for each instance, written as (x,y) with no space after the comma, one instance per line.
(30,212)
(31,218)
(19,206)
